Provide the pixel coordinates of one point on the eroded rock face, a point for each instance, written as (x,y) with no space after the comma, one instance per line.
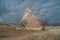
(29,20)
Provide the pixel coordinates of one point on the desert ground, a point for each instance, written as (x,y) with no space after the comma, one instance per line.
(10,33)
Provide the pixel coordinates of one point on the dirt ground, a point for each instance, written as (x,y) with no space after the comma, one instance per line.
(10,33)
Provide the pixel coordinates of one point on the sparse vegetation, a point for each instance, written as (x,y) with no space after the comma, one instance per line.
(12,32)
(47,36)
(9,32)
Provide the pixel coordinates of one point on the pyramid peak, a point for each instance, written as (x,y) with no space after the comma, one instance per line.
(28,9)
(27,12)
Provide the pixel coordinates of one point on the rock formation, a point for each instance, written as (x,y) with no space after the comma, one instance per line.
(29,21)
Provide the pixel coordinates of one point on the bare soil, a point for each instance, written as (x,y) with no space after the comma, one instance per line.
(10,33)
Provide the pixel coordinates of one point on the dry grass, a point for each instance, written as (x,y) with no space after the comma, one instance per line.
(9,32)
(47,36)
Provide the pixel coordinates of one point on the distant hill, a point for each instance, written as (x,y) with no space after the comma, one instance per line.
(4,24)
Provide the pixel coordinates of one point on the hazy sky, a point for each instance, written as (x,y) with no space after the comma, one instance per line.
(12,10)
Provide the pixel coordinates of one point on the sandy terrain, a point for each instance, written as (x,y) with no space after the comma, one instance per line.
(10,33)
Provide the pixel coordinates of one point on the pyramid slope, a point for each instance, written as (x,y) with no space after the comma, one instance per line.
(29,20)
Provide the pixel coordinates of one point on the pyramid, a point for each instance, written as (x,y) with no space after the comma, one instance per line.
(29,20)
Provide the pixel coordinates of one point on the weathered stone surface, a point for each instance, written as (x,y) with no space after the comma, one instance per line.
(29,20)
